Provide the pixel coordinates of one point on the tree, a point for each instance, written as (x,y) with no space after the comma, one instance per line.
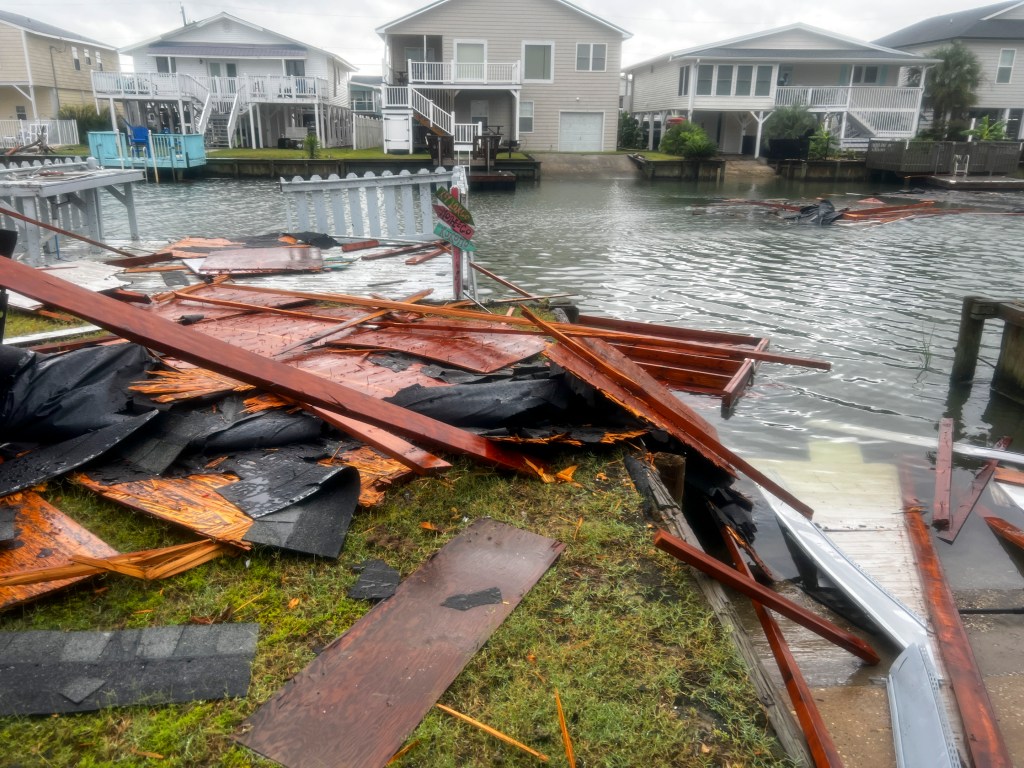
(986,130)
(688,140)
(630,134)
(951,85)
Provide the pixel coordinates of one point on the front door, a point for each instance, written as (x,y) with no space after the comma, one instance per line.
(470,56)
(223,77)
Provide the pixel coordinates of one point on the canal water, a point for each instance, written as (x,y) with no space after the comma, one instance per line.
(880,302)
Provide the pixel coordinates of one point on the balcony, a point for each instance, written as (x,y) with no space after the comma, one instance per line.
(853,98)
(172,86)
(442,73)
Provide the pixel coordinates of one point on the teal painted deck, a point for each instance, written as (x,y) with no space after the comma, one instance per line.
(171,152)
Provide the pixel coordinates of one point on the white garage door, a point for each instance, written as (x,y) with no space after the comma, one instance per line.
(580,131)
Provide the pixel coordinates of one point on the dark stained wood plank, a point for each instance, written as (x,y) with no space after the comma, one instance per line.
(823,749)
(669,356)
(720,572)
(356,704)
(1006,531)
(981,481)
(943,475)
(669,331)
(159,334)
(982,736)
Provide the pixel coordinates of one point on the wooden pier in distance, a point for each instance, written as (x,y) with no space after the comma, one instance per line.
(1008,379)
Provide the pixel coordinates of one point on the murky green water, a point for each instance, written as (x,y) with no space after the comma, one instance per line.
(881,303)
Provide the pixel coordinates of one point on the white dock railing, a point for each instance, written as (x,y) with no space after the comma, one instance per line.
(389,206)
(55,133)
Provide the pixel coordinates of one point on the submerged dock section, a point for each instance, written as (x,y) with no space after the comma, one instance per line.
(170,155)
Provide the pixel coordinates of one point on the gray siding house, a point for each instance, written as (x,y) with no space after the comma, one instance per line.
(234,82)
(730,88)
(544,73)
(995,33)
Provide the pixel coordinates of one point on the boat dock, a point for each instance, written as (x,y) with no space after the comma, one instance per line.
(170,154)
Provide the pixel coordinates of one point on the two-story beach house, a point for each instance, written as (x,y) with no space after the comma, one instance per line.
(544,73)
(44,68)
(234,82)
(995,34)
(731,87)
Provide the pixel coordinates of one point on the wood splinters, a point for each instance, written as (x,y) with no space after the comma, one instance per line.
(495,733)
(570,755)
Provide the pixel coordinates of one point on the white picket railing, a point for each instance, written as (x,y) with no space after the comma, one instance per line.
(437,116)
(389,205)
(445,72)
(55,133)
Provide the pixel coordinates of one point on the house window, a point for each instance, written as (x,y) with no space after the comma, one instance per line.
(591,57)
(537,62)
(1006,57)
(526,117)
(785,74)
(724,85)
(744,77)
(763,84)
(865,75)
(705,76)
(166,65)
(99,61)
(684,80)
(88,58)
(20,113)
(74,58)
(470,60)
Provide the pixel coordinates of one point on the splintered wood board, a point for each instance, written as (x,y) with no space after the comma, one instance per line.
(357,703)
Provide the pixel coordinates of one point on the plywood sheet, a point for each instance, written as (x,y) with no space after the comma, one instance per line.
(355,705)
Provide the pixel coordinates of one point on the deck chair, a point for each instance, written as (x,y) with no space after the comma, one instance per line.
(960,164)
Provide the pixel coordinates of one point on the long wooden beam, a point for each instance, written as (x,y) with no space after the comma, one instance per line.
(1006,531)
(819,740)
(943,475)
(982,737)
(980,482)
(271,376)
(725,350)
(705,563)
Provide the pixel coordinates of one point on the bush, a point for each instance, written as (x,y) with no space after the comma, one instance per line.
(823,145)
(631,135)
(87,118)
(311,146)
(688,140)
(792,122)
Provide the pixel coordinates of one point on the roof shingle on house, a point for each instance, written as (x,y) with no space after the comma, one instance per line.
(973,24)
(47,30)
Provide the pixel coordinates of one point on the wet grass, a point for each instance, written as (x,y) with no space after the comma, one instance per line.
(24,323)
(645,673)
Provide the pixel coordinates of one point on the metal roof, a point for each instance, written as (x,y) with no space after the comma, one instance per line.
(48,30)
(791,54)
(975,24)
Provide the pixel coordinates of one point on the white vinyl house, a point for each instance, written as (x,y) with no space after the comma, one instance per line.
(862,90)
(995,34)
(234,82)
(543,73)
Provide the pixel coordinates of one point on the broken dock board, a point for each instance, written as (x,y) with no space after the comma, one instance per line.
(367,691)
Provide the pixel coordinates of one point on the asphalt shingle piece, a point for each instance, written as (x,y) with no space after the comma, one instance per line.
(57,672)
(377,581)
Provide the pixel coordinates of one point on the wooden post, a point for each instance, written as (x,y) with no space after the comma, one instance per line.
(968,341)
(456,261)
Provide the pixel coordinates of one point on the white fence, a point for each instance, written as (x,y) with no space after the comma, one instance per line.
(391,206)
(367,132)
(53,133)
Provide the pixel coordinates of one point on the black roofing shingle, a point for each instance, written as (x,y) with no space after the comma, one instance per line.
(966,25)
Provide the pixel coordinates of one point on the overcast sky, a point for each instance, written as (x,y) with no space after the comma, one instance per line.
(346,27)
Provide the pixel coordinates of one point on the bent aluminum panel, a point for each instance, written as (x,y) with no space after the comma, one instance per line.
(901,624)
(920,730)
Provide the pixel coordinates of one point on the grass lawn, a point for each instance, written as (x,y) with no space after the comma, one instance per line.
(644,672)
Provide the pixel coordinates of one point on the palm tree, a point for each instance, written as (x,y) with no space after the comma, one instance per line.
(950,90)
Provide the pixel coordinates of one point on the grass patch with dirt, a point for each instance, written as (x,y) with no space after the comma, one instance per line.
(645,673)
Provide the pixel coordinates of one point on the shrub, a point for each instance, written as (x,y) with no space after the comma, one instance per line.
(631,135)
(792,122)
(985,130)
(87,118)
(688,140)
(823,145)
(311,146)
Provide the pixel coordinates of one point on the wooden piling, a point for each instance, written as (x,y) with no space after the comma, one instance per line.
(968,343)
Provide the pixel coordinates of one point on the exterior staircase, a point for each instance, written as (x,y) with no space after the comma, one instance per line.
(216,131)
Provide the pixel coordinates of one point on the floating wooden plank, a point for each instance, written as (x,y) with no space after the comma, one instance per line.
(402,251)
(712,567)
(981,481)
(46,537)
(364,694)
(412,261)
(943,475)
(154,332)
(819,740)
(1010,476)
(1006,531)
(983,739)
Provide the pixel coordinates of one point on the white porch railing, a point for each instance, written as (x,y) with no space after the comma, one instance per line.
(159,85)
(840,97)
(55,133)
(437,116)
(451,72)
(466,133)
